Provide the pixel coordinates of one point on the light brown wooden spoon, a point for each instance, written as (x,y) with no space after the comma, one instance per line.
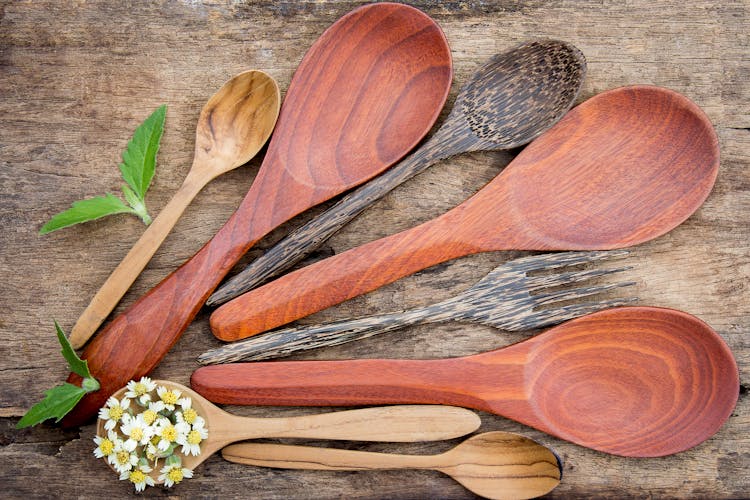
(233,125)
(492,464)
(405,423)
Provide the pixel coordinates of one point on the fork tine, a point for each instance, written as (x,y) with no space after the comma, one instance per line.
(539,282)
(547,317)
(562,259)
(575,293)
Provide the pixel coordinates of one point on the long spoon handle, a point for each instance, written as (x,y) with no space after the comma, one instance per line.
(297,245)
(134,262)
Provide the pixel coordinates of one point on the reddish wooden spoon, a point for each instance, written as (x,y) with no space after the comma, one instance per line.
(365,93)
(622,168)
(632,381)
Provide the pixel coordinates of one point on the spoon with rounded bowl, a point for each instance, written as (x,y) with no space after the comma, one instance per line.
(364,95)
(233,125)
(507,102)
(624,167)
(498,465)
(631,381)
(403,423)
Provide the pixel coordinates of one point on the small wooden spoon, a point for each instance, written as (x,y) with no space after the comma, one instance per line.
(497,464)
(364,94)
(632,381)
(406,423)
(233,125)
(624,167)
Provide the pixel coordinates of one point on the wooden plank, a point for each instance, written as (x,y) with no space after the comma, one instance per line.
(75,80)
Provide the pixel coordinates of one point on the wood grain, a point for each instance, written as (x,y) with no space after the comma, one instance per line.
(624,167)
(365,93)
(632,381)
(77,77)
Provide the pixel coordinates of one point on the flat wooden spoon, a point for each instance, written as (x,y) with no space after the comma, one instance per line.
(624,167)
(405,423)
(233,125)
(506,103)
(496,464)
(365,93)
(632,381)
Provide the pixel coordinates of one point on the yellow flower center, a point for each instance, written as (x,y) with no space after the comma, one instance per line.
(169,398)
(136,433)
(169,433)
(122,457)
(115,413)
(175,475)
(189,415)
(137,476)
(107,446)
(155,440)
(140,388)
(194,437)
(149,416)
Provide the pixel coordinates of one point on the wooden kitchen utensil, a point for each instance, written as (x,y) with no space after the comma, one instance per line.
(364,94)
(624,167)
(405,423)
(506,103)
(496,464)
(233,125)
(507,298)
(632,381)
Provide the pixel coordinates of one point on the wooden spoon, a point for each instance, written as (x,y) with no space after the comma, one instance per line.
(632,381)
(492,464)
(622,168)
(233,125)
(509,101)
(365,93)
(394,423)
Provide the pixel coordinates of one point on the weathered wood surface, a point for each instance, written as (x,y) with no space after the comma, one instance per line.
(76,78)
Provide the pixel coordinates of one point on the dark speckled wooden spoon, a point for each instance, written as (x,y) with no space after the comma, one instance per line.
(509,101)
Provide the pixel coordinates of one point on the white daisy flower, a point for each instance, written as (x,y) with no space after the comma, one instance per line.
(169,397)
(105,446)
(188,414)
(138,432)
(113,411)
(140,390)
(139,477)
(191,442)
(174,474)
(122,459)
(151,413)
(170,433)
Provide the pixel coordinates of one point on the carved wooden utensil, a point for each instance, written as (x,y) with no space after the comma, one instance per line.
(493,464)
(404,423)
(624,167)
(365,93)
(507,298)
(508,101)
(233,125)
(632,381)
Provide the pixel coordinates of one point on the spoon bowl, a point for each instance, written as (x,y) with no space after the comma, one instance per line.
(397,423)
(492,464)
(631,381)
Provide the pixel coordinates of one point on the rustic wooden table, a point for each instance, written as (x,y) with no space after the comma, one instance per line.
(77,77)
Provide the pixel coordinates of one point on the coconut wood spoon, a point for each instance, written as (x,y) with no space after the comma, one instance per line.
(233,125)
(624,167)
(497,464)
(364,94)
(405,423)
(509,101)
(632,381)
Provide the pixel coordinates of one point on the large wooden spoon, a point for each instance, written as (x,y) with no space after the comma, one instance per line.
(233,125)
(365,93)
(507,102)
(632,381)
(622,168)
(404,423)
(496,464)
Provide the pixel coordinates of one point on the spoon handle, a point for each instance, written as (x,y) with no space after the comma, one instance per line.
(446,142)
(134,262)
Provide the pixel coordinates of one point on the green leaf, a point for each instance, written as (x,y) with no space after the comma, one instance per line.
(86,210)
(77,365)
(57,403)
(139,159)
(138,206)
